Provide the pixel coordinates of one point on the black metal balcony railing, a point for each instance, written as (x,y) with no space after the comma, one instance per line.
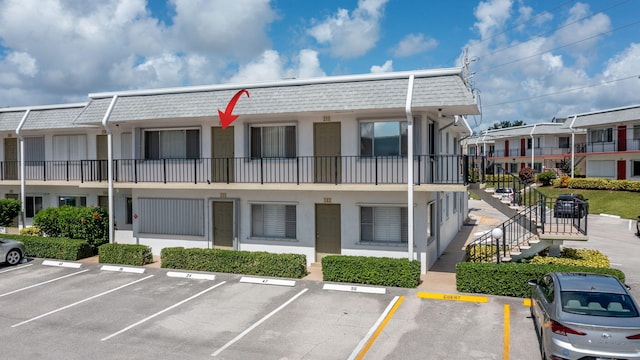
(428,169)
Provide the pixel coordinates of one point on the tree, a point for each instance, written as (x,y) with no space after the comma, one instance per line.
(507,124)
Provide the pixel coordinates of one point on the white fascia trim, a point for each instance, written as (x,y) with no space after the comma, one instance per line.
(44,107)
(289,82)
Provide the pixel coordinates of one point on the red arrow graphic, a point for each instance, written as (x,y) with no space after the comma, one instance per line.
(226,118)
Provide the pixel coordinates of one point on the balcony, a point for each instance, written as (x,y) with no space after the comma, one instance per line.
(379,170)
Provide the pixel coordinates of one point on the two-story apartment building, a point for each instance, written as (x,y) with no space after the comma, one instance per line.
(538,146)
(612,144)
(317,166)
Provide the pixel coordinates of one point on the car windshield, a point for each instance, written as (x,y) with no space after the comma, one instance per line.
(598,304)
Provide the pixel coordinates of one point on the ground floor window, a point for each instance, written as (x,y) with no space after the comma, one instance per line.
(72,200)
(635,168)
(171,216)
(33,204)
(384,224)
(276,221)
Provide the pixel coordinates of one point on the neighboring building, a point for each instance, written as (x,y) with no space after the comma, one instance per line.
(543,146)
(612,145)
(315,166)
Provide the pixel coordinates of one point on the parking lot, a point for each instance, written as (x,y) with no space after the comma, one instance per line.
(60,310)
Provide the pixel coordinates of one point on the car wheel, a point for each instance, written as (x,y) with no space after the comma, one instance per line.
(542,352)
(13,257)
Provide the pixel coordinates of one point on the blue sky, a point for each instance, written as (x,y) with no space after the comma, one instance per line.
(532,59)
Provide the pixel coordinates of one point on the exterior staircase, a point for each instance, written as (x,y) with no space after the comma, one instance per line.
(530,229)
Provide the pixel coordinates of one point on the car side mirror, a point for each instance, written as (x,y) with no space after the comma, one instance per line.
(533,282)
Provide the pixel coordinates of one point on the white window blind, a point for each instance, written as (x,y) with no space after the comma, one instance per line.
(273,221)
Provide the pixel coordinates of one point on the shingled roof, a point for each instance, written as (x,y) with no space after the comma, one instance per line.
(41,117)
(605,117)
(432,89)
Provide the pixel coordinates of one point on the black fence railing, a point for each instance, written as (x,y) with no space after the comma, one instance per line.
(427,169)
(538,214)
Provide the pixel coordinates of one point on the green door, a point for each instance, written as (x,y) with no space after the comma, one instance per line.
(328,230)
(223,224)
(10,159)
(326,151)
(222,154)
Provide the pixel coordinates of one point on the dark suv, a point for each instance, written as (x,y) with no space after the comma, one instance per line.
(570,205)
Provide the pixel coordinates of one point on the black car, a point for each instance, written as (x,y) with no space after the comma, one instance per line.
(570,205)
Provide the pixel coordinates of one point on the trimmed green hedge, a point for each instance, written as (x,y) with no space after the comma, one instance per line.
(597,184)
(235,262)
(371,270)
(511,279)
(53,247)
(125,254)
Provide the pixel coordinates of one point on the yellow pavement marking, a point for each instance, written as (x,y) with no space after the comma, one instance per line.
(373,338)
(453,297)
(506,348)
(526,302)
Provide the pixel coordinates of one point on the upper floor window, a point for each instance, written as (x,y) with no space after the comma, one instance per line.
(601,135)
(69,147)
(384,138)
(34,148)
(563,142)
(636,132)
(172,144)
(273,141)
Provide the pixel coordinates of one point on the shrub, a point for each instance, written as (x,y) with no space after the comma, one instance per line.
(511,279)
(546,177)
(31,231)
(125,254)
(9,209)
(526,175)
(53,247)
(235,262)
(371,270)
(575,257)
(88,223)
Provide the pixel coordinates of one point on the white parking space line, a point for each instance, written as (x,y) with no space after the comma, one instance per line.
(186,275)
(14,268)
(43,283)
(122,269)
(80,302)
(62,264)
(352,288)
(255,325)
(161,312)
(266,281)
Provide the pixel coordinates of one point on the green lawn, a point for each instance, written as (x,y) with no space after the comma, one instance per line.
(622,203)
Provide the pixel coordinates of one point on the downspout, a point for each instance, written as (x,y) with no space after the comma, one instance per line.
(23,195)
(105,120)
(407,110)
(573,143)
(533,145)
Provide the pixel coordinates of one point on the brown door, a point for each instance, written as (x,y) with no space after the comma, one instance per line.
(328,229)
(102,154)
(622,138)
(622,170)
(523,147)
(222,154)
(506,148)
(223,224)
(326,151)
(11,159)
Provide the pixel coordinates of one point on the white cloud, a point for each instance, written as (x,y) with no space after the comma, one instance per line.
(351,35)
(272,66)
(386,67)
(414,44)
(491,15)
(26,64)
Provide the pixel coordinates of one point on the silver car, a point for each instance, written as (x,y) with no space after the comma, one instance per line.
(585,316)
(11,251)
